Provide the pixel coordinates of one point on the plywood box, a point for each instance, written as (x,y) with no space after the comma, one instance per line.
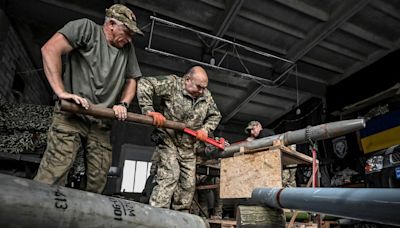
(241,174)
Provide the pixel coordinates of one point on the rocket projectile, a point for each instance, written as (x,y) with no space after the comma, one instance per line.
(26,203)
(323,131)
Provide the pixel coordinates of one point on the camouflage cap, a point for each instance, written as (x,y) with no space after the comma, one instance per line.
(250,126)
(124,15)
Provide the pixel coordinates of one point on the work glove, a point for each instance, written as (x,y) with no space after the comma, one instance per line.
(201,135)
(158,118)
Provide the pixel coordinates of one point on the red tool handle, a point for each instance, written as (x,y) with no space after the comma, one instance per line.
(220,144)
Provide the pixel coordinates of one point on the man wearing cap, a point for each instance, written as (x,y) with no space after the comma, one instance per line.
(101,69)
(254,130)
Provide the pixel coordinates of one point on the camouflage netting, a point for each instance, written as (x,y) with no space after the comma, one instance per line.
(23,127)
(27,117)
(23,142)
(79,164)
(289,178)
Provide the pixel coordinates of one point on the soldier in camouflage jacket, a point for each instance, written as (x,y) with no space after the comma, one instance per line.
(185,100)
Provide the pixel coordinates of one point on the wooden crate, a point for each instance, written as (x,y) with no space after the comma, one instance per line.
(241,174)
(256,168)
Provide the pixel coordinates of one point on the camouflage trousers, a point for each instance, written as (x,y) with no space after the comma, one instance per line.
(175,178)
(208,198)
(67,134)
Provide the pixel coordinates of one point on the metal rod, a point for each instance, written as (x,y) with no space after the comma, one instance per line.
(109,113)
(314,168)
(267,81)
(323,131)
(151,34)
(30,204)
(219,39)
(368,204)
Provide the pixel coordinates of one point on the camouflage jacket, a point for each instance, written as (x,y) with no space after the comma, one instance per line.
(177,105)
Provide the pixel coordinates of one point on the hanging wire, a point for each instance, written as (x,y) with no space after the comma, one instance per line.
(286,78)
(240,59)
(202,40)
(223,57)
(298,119)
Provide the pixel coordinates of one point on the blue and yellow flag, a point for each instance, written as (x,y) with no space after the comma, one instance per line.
(381,132)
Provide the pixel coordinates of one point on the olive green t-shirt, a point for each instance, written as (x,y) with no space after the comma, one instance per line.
(95,69)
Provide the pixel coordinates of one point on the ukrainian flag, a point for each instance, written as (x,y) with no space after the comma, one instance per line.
(381,132)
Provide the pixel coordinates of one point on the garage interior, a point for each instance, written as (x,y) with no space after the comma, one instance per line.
(288,64)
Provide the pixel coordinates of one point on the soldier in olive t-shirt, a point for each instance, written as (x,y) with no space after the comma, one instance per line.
(101,69)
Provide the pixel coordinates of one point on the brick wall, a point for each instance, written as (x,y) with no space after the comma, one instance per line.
(20,81)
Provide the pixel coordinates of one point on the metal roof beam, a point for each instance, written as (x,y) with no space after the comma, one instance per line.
(269,22)
(274,24)
(339,16)
(343,51)
(366,35)
(147,5)
(306,9)
(386,8)
(322,65)
(229,15)
(371,59)
(253,91)
(75,8)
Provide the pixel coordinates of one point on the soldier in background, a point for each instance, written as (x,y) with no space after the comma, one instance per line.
(101,69)
(255,130)
(185,100)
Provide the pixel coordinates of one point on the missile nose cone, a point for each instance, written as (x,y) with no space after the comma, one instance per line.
(363,122)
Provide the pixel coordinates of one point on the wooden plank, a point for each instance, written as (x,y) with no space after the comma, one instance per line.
(241,174)
(259,216)
(290,156)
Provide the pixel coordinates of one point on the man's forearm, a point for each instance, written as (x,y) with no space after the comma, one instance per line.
(129,91)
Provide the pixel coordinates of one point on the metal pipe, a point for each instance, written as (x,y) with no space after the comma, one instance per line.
(109,113)
(219,39)
(323,131)
(151,34)
(381,205)
(266,81)
(26,203)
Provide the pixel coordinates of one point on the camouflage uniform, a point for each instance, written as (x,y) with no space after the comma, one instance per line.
(64,141)
(177,162)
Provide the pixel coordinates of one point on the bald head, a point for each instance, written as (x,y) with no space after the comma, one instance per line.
(196,81)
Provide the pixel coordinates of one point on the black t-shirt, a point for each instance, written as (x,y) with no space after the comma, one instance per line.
(265,133)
